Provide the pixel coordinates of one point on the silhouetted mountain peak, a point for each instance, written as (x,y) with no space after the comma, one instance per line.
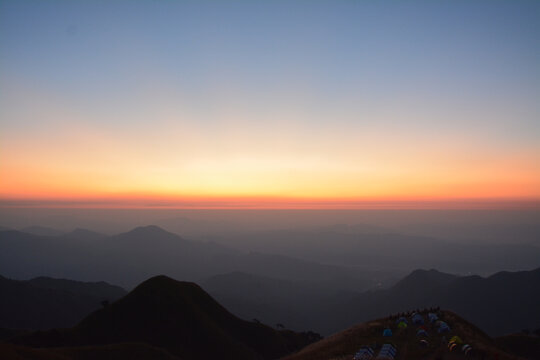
(181,299)
(166,285)
(149,230)
(181,317)
(149,234)
(422,278)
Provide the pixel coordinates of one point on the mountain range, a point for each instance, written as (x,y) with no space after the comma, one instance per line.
(178,317)
(128,258)
(503,303)
(167,319)
(381,249)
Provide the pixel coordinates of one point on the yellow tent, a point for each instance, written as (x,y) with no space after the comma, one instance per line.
(456,339)
(402,325)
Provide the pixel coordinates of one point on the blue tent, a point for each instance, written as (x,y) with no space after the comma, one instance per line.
(417,319)
(443,327)
(387,352)
(421,332)
(365,353)
(432,317)
(387,332)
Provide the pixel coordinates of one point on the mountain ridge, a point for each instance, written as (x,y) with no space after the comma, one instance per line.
(179,317)
(44,303)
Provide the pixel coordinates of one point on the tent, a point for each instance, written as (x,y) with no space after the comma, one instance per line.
(402,319)
(422,332)
(417,319)
(466,349)
(388,351)
(456,339)
(432,317)
(442,327)
(387,332)
(402,325)
(424,343)
(365,353)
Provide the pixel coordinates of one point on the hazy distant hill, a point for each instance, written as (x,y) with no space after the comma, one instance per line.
(42,231)
(44,303)
(131,257)
(179,317)
(84,234)
(500,304)
(326,298)
(100,289)
(374,249)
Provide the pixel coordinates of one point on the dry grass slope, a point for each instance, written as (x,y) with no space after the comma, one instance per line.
(343,345)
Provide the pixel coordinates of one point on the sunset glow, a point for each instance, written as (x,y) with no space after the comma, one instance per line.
(284,117)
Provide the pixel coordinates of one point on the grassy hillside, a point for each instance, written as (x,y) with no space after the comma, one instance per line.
(345,344)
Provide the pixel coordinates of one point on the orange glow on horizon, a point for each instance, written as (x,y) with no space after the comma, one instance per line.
(251,202)
(235,163)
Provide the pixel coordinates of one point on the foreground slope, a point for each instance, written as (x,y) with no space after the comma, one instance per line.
(345,344)
(178,317)
(527,346)
(131,351)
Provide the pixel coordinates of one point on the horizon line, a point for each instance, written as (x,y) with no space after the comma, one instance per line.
(275,203)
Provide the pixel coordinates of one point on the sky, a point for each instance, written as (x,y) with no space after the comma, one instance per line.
(269,103)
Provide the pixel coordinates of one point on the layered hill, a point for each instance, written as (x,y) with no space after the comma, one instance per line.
(500,304)
(408,344)
(178,317)
(503,303)
(44,303)
(129,258)
(379,248)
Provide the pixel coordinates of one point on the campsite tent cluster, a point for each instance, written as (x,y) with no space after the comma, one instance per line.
(388,351)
